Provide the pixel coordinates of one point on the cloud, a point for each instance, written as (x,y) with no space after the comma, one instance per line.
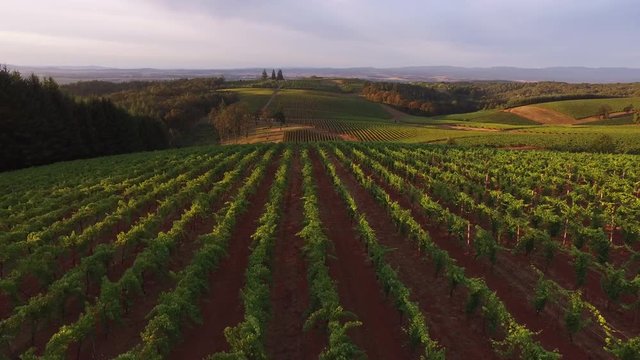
(213,33)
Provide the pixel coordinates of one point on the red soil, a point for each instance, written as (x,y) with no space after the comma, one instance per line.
(222,306)
(381,335)
(513,282)
(6,306)
(561,270)
(122,337)
(73,306)
(153,287)
(30,286)
(462,337)
(290,292)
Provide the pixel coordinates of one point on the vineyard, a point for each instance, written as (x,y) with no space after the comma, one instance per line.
(339,250)
(358,130)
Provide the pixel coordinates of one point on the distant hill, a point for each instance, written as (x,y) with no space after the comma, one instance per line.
(68,74)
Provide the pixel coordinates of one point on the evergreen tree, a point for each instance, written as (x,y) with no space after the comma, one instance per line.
(280,77)
(39,125)
(264,74)
(273,74)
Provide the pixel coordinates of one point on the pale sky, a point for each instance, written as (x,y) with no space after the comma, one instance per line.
(320,33)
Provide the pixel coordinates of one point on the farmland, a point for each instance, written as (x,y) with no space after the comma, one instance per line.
(332,250)
(579,109)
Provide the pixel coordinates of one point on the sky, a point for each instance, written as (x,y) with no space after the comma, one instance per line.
(218,34)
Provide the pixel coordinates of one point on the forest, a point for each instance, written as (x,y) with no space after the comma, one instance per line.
(39,124)
(179,104)
(459,97)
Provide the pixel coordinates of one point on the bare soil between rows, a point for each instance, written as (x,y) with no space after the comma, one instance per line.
(286,338)
(222,305)
(380,335)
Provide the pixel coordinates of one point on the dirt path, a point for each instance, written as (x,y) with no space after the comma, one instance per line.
(396,115)
(380,336)
(290,291)
(461,336)
(273,96)
(542,115)
(612,115)
(222,306)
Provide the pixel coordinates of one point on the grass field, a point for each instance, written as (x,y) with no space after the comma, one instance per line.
(585,138)
(488,116)
(255,98)
(622,120)
(310,104)
(579,109)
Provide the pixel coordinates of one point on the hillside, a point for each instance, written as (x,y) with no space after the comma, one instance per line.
(570,112)
(590,108)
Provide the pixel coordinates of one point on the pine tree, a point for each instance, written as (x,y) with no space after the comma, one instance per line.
(280,77)
(273,74)
(264,74)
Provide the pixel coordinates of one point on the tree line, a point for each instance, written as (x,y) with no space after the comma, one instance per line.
(274,76)
(179,104)
(448,98)
(39,124)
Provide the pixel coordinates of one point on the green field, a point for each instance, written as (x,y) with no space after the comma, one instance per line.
(362,120)
(618,139)
(488,116)
(622,120)
(312,104)
(579,109)
(254,98)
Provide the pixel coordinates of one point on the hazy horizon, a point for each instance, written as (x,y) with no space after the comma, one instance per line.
(197,34)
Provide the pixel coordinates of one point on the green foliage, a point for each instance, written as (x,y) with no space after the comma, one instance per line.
(604,144)
(583,108)
(462,97)
(573,317)
(325,302)
(541,295)
(485,245)
(614,283)
(581,265)
(417,329)
(246,339)
(41,125)
(627,350)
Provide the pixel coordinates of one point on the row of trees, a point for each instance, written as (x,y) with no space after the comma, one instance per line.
(605,112)
(446,98)
(39,124)
(277,77)
(179,104)
(233,121)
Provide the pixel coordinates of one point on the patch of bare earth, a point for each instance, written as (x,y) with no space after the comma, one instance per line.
(542,115)
(380,335)
(222,306)
(286,338)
